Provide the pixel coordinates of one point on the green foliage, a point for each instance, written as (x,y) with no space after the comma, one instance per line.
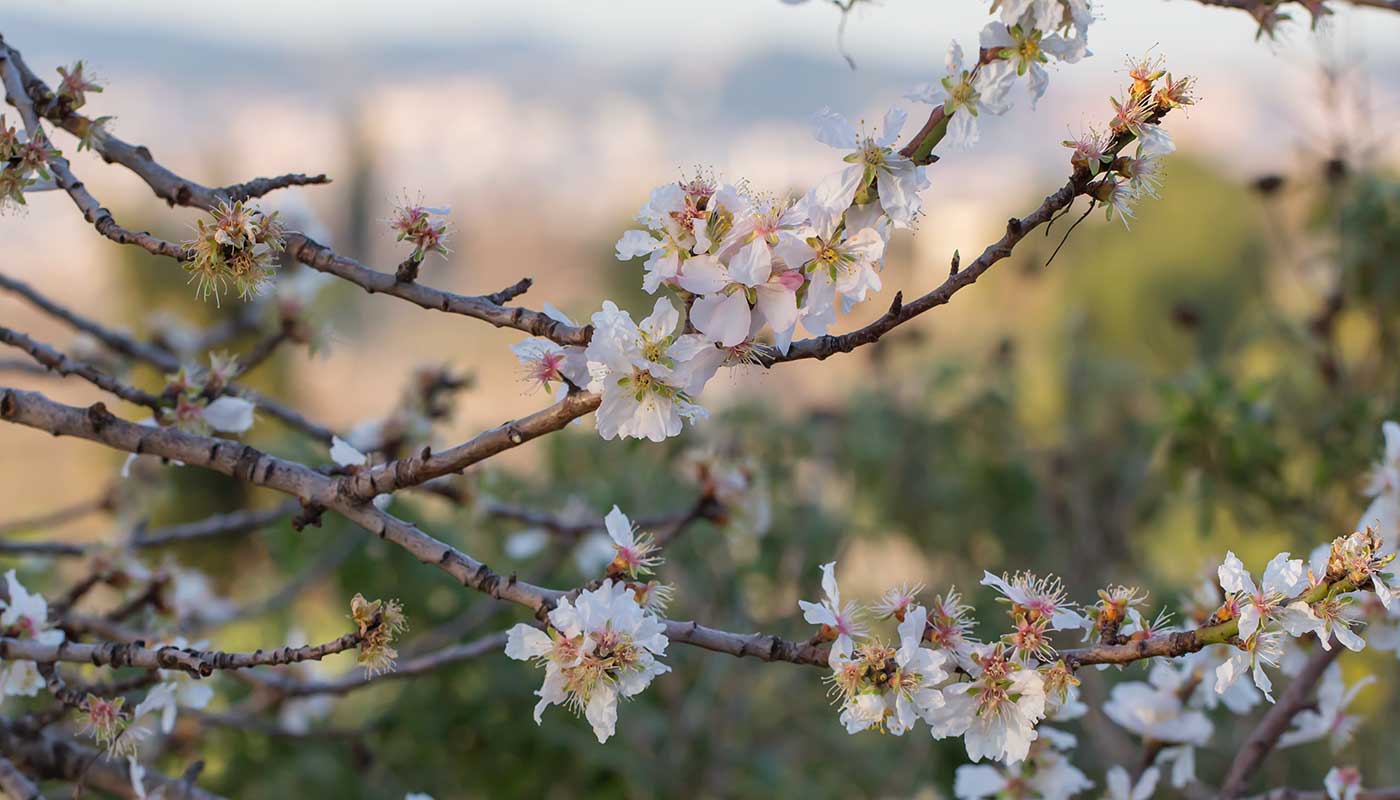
(1165,401)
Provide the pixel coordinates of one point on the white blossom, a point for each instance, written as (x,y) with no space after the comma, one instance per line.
(1283,579)
(840,621)
(1383,514)
(1342,783)
(964,96)
(647,375)
(1121,787)
(1328,720)
(25,616)
(996,712)
(229,414)
(1252,655)
(1155,710)
(599,648)
(898,180)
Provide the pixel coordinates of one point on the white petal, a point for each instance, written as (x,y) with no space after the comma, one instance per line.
(636,243)
(619,527)
(753,264)
(345,455)
(724,318)
(229,414)
(524,642)
(833,129)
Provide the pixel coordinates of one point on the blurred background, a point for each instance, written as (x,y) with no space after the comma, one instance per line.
(1214,378)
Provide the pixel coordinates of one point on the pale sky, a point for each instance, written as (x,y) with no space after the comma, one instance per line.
(635,30)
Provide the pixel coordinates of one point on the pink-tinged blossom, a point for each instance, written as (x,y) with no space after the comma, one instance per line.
(1039,598)
(635,553)
(598,649)
(996,712)
(1342,783)
(544,363)
(1251,656)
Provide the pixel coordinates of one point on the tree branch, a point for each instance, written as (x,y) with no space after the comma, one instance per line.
(63,365)
(1272,725)
(197,663)
(61,759)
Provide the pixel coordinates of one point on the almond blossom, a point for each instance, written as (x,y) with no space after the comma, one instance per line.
(597,649)
(949,628)
(544,362)
(996,712)
(889,689)
(1025,50)
(1155,710)
(1262,649)
(964,94)
(873,157)
(1120,784)
(1039,598)
(648,376)
(1328,720)
(346,455)
(840,622)
(25,616)
(1383,514)
(682,220)
(1342,783)
(845,268)
(1256,605)
(634,551)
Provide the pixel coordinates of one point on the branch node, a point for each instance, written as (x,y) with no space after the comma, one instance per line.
(99,416)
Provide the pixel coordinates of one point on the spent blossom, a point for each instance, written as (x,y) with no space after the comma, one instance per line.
(379,622)
(74,84)
(237,247)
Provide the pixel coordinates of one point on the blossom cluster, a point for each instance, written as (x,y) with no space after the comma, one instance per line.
(237,247)
(998,695)
(749,269)
(596,649)
(991,694)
